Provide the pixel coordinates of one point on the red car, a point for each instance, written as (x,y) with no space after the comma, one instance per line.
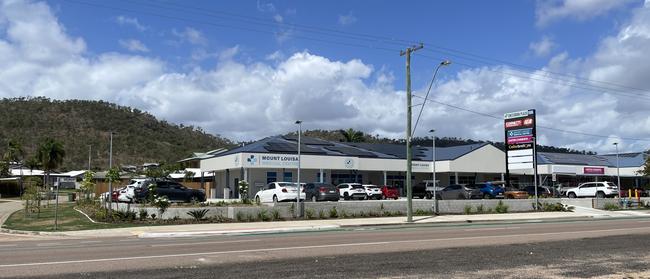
(389,192)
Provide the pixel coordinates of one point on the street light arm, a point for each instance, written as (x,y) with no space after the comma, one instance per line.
(443,63)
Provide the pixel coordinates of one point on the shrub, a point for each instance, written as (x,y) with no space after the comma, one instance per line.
(388,214)
(198,214)
(143,214)
(344,214)
(422,212)
(334,213)
(309,213)
(263,215)
(501,207)
(321,214)
(611,206)
(240,216)
(275,214)
(468,209)
(554,207)
(162,203)
(480,208)
(123,215)
(153,216)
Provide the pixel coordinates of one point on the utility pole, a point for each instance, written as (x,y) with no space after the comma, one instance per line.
(110,181)
(409,155)
(90,152)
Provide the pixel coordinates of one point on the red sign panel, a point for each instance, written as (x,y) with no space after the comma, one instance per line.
(592,170)
(520,139)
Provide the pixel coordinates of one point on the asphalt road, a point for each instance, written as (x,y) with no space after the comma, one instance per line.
(517,250)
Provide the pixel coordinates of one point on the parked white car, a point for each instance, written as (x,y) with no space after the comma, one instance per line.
(373,192)
(127,194)
(352,191)
(593,189)
(280,191)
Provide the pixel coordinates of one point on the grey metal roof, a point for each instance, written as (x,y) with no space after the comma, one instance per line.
(547,158)
(627,160)
(421,153)
(288,144)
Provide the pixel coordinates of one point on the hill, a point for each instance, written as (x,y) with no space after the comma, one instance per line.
(139,137)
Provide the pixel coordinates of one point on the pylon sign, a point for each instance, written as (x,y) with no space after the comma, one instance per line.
(520,137)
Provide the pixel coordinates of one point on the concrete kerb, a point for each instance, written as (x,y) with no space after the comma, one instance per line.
(236,232)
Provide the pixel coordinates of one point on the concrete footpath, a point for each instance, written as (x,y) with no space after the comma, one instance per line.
(7,207)
(312,225)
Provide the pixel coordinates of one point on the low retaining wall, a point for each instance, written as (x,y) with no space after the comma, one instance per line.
(349,208)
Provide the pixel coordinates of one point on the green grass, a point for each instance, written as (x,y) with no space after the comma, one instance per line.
(69,220)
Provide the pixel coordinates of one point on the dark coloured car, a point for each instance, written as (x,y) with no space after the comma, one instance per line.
(420,190)
(173,190)
(458,192)
(321,192)
(542,191)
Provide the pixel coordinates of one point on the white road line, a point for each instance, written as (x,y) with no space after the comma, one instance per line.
(491,229)
(49,244)
(647,221)
(313,247)
(91,241)
(202,243)
(9,245)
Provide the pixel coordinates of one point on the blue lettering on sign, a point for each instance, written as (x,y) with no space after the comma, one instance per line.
(520,132)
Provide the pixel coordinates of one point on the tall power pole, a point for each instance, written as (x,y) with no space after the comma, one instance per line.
(409,154)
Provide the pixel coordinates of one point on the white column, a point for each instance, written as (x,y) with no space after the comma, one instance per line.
(455,177)
(385,179)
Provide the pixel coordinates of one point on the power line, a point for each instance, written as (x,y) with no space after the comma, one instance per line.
(567,83)
(538,126)
(375,39)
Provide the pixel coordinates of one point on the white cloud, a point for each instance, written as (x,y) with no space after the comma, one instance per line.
(278,18)
(131,21)
(191,35)
(265,7)
(265,97)
(552,10)
(347,19)
(133,45)
(542,47)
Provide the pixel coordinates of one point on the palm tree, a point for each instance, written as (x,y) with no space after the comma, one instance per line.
(50,155)
(16,154)
(350,135)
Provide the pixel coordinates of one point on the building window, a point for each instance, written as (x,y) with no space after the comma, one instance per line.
(338,178)
(466,179)
(287,177)
(271,176)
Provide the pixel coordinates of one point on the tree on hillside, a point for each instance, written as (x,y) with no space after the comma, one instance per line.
(50,155)
(350,135)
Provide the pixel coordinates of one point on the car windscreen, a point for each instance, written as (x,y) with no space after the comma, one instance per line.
(356,186)
(286,184)
(611,184)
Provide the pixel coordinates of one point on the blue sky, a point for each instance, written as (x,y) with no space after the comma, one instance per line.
(248,69)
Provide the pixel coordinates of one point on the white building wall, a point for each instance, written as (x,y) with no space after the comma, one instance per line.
(487,159)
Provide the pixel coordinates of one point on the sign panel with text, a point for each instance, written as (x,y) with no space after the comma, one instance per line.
(520,134)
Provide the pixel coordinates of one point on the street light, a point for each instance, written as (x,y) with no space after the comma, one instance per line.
(410,133)
(618,173)
(299,122)
(433,164)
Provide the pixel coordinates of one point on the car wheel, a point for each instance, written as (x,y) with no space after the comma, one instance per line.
(461,197)
(429,196)
(194,199)
(572,195)
(383,197)
(275,199)
(313,199)
(346,196)
(600,195)
(257,199)
(486,196)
